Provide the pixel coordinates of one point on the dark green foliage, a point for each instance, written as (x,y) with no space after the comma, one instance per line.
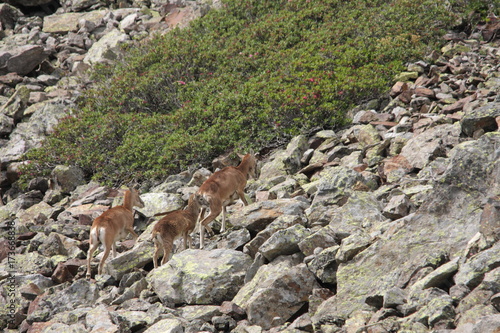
(241,77)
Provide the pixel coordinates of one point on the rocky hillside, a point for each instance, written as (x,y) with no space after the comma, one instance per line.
(390,225)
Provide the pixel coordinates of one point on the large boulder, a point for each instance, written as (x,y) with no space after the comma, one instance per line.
(31,133)
(107,48)
(483,118)
(9,16)
(284,162)
(79,294)
(276,292)
(200,277)
(68,22)
(433,143)
(22,59)
(257,216)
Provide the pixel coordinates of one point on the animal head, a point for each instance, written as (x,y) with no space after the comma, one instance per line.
(136,198)
(251,164)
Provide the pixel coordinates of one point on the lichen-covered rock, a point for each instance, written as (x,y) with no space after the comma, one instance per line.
(200,277)
(284,242)
(79,294)
(107,49)
(335,184)
(433,143)
(257,216)
(170,325)
(472,272)
(68,22)
(483,118)
(155,203)
(324,265)
(67,178)
(126,262)
(287,161)
(280,223)
(276,292)
(361,210)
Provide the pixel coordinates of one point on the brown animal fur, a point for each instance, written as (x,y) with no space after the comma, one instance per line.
(112,225)
(218,191)
(176,224)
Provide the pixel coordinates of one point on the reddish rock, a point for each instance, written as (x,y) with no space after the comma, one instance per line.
(61,274)
(398,88)
(425,92)
(458,105)
(233,310)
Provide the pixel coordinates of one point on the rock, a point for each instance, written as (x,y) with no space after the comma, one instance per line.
(79,293)
(397,207)
(30,134)
(126,262)
(9,16)
(322,238)
(361,210)
(200,277)
(472,160)
(107,48)
(69,22)
(351,246)
(155,203)
(471,272)
(255,217)
(276,293)
(486,324)
(438,309)
(324,265)
(99,319)
(483,118)
(334,185)
(235,240)
(21,60)
(490,220)
(171,325)
(280,223)
(66,179)
(287,161)
(284,242)
(429,145)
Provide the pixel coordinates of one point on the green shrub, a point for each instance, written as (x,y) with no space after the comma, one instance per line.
(252,73)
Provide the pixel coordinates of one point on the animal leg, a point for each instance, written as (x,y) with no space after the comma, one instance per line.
(90,253)
(167,249)
(185,236)
(241,194)
(214,212)
(157,251)
(224,212)
(113,247)
(103,259)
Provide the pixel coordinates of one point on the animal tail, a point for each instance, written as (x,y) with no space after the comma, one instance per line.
(94,236)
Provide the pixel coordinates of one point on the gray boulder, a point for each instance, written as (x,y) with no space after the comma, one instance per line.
(200,277)
(433,143)
(21,60)
(276,292)
(284,242)
(107,48)
(80,293)
(287,161)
